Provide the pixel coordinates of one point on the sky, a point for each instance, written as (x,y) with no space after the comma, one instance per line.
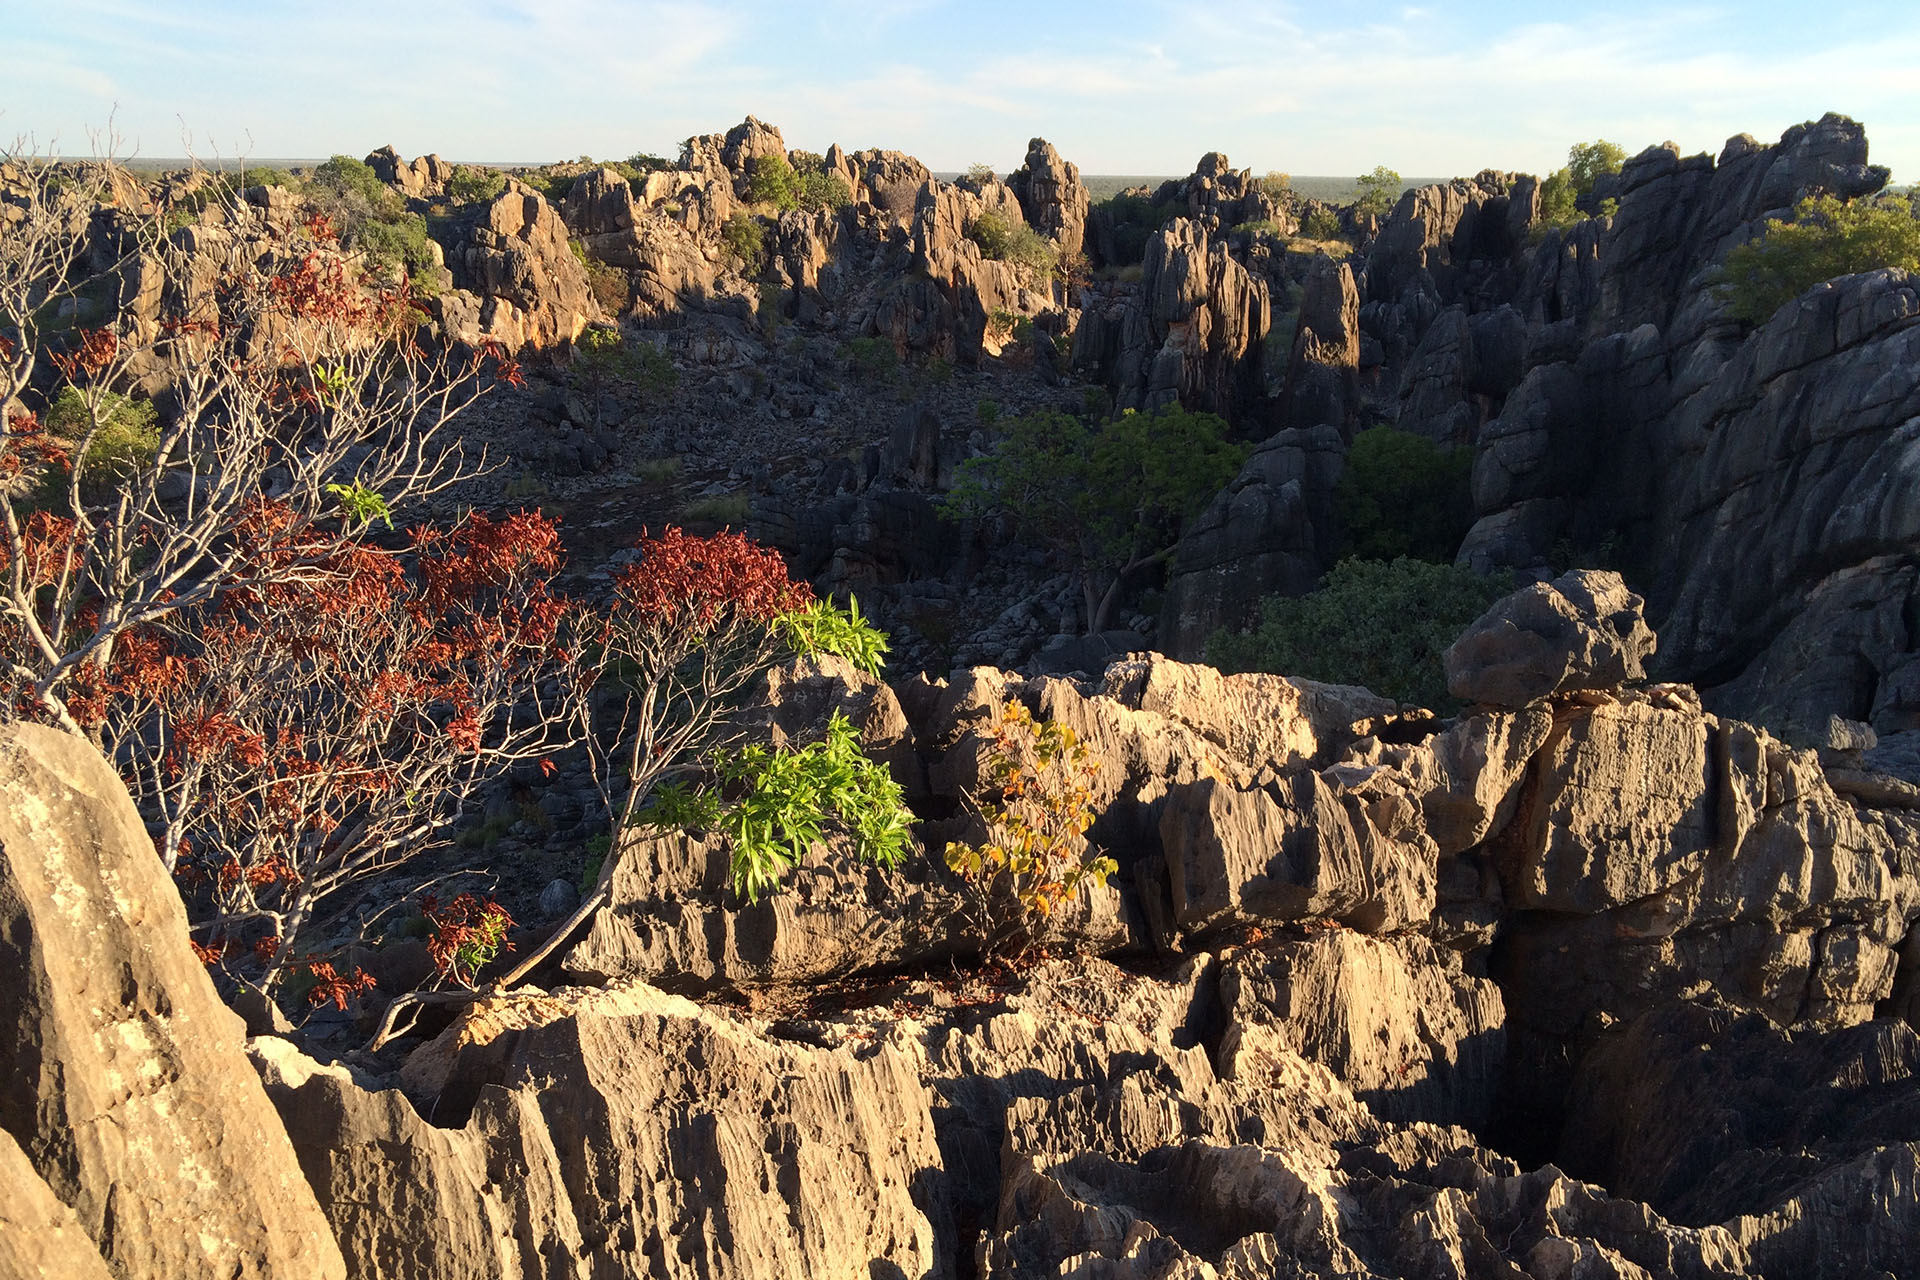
(1124,87)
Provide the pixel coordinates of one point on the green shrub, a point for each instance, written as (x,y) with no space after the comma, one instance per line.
(1374,623)
(771,180)
(125,441)
(746,242)
(1109,499)
(1378,191)
(1276,185)
(645,162)
(875,358)
(1131,220)
(265,176)
(345,176)
(1560,190)
(723,509)
(1825,238)
(980,174)
(817,191)
(1587,161)
(1321,223)
(1403,495)
(824,627)
(657,470)
(773,804)
(1014,242)
(472,184)
(397,243)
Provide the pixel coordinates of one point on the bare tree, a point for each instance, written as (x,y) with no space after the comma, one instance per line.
(280,373)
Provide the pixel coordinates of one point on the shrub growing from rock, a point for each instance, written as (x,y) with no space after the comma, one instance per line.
(1378,191)
(745,242)
(1381,624)
(1035,803)
(1826,237)
(1013,241)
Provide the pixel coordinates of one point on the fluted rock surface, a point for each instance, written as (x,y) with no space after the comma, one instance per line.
(123,1084)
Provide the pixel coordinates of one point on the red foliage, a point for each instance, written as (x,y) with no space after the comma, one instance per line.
(467,933)
(691,582)
(310,723)
(90,357)
(28,444)
(329,986)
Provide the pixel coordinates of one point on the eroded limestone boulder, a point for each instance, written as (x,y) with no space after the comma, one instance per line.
(1584,630)
(122,1077)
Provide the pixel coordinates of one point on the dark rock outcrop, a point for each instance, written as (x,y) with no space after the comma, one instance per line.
(1584,630)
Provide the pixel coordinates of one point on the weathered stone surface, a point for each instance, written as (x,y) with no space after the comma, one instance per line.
(1203,320)
(1268,532)
(644,1136)
(40,1237)
(523,285)
(1053,197)
(1582,631)
(424,176)
(122,1076)
(1295,849)
(1413,1036)
(1324,368)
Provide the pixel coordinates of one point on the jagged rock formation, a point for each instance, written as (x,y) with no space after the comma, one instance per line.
(132,1124)
(1381,943)
(1263,534)
(1193,334)
(1052,197)
(425,176)
(520,284)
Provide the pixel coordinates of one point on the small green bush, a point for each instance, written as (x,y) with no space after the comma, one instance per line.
(128,435)
(817,191)
(1276,185)
(1014,242)
(1826,237)
(771,180)
(773,804)
(746,242)
(1375,623)
(1403,495)
(265,176)
(1321,223)
(657,470)
(875,358)
(345,176)
(473,184)
(399,243)
(1131,220)
(606,356)
(645,162)
(723,509)
(824,627)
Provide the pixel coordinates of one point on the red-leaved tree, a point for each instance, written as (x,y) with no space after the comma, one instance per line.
(292,737)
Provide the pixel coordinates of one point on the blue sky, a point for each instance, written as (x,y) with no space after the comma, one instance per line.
(1322,88)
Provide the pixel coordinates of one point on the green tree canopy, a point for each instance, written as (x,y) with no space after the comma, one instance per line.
(1587,161)
(1378,191)
(1374,623)
(1826,237)
(1403,495)
(1560,190)
(1109,497)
